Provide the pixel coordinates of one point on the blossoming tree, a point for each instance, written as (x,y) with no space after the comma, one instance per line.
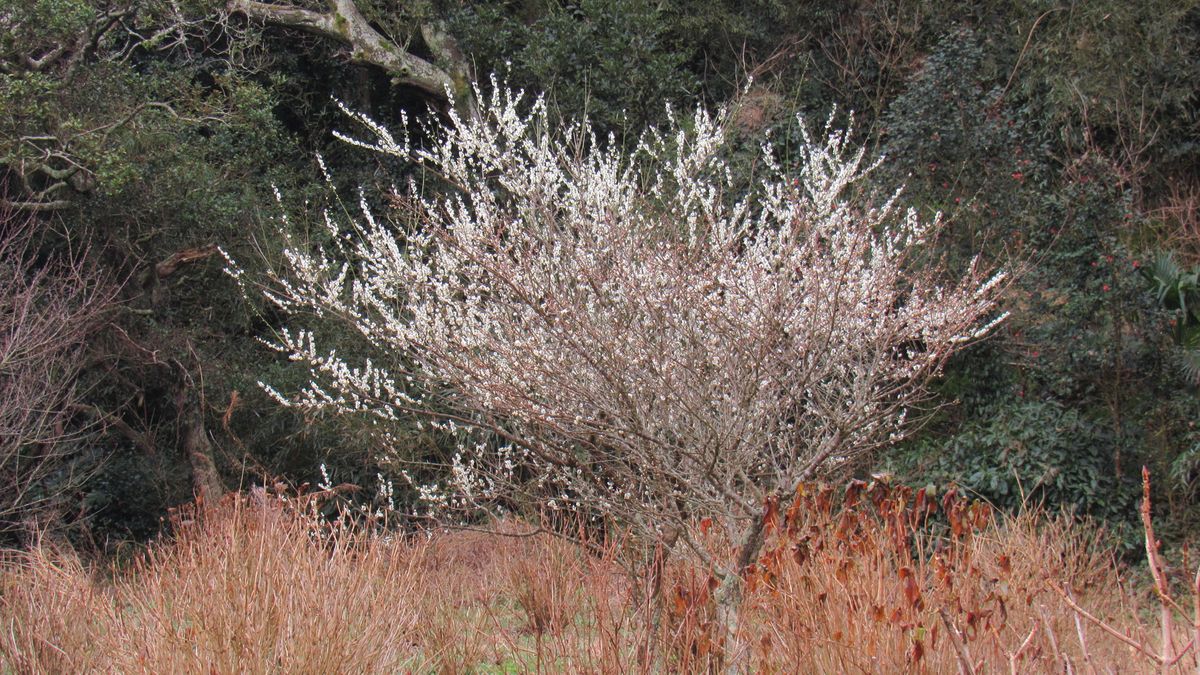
(646,342)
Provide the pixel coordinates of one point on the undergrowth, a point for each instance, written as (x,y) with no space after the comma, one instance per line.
(870,578)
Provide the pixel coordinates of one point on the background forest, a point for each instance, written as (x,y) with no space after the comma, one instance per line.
(136,136)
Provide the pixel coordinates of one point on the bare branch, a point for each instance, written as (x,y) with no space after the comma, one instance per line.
(39,64)
(960,647)
(47,310)
(1101,624)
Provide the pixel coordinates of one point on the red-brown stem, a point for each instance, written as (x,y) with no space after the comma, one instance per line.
(1166,646)
(1196,615)
(960,648)
(1016,656)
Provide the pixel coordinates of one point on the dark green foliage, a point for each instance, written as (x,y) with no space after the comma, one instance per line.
(129,497)
(617,62)
(1021,452)
(1177,290)
(1071,398)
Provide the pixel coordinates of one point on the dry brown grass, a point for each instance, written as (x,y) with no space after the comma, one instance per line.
(879,580)
(242,589)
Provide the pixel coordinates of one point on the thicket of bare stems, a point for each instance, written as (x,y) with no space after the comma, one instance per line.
(641,343)
(48,307)
(873,578)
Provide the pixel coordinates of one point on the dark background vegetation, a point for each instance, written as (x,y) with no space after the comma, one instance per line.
(1061,138)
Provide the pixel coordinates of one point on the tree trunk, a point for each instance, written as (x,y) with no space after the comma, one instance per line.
(730,593)
(194,441)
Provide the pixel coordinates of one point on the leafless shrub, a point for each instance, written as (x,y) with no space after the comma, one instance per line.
(48,308)
(1180,213)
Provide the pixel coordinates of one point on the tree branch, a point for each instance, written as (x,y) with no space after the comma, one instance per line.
(35,207)
(39,64)
(347,25)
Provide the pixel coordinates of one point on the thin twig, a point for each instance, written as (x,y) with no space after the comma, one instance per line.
(1025,48)
(1105,627)
(960,648)
(1087,655)
(1166,646)
(1016,656)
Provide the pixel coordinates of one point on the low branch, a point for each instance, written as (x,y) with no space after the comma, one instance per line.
(35,207)
(188,255)
(1165,660)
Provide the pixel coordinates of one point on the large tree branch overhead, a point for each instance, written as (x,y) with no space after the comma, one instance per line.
(347,25)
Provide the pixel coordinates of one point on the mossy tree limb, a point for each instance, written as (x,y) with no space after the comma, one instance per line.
(346,24)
